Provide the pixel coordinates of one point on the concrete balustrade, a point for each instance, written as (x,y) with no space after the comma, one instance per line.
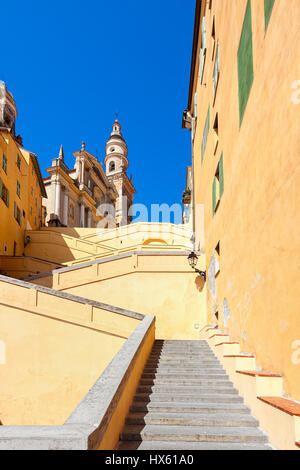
(56,346)
(98,419)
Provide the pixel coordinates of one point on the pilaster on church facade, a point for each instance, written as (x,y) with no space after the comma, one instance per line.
(81,197)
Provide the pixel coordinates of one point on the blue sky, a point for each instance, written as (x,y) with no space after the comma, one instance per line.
(72,64)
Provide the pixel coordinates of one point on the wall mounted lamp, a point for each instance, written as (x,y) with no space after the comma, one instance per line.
(193,259)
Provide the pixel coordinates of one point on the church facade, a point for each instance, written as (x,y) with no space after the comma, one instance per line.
(88,195)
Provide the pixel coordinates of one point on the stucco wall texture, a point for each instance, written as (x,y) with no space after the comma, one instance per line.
(257,220)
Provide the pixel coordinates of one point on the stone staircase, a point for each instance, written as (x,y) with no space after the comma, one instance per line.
(185,401)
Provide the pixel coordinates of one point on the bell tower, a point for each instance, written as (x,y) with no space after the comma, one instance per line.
(116,163)
(8,110)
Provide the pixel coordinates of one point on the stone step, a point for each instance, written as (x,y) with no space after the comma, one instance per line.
(180,342)
(174,390)
(199,397)
(204,345)
(195,363)
(207,350)
(180,357)
(183,370)
(190,407)
(188,382)
(150,432)
(192,419)
(184,375)
(171,445)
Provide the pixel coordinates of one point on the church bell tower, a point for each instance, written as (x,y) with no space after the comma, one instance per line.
(116,163)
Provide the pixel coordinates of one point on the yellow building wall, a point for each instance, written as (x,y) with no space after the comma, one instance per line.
(257,221)
(10,230)
(34,208)
(52,350)
(163,286)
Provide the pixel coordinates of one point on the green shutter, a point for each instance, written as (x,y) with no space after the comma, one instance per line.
(201,64)
(214,195)
(1,188)
(221,176)
(216,69)
(245,62)
(203,33)
(7,198)
(208,119)
(195,105)
(193,129)
(15,210)
(268,11)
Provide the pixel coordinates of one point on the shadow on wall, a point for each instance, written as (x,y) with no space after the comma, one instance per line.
(199,283)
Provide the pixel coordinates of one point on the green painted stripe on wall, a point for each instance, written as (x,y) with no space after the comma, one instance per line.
(221,175)
(245,62)
(268,11)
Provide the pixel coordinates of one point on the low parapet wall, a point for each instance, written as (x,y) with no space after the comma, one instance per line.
(20,267)
(97,421)
(147,282)
(53,346)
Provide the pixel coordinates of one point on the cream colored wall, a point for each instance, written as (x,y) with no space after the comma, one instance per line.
(173,298)
(132,234)
(68,245)
(163,286)
(55,350)
(52,246)
(258,219)
(21,267)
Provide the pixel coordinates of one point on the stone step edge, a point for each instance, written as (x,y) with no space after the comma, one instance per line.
(290,407)
(256,373)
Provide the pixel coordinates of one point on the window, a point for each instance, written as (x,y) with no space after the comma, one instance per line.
(35,202)
(19,162)
(35,221)
(217,259)
(18,215)
(112,166)
(193,129)
(4,193)
(15,248)
(18,189)
(216,132)
(32,170)
(216,71)
(195,106)
(245,62)
(213,37)
(31,191)
(205,134)
(31,211)
(4,163)
(218,186)
(203,49)
(268,11)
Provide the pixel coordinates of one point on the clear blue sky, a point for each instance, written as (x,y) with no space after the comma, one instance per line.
(72,64)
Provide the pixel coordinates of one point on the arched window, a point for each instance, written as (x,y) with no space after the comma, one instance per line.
(112,166)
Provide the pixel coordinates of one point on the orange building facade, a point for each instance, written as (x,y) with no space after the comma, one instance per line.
(243,112)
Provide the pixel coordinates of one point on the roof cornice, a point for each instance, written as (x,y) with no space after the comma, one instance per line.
(195,48)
